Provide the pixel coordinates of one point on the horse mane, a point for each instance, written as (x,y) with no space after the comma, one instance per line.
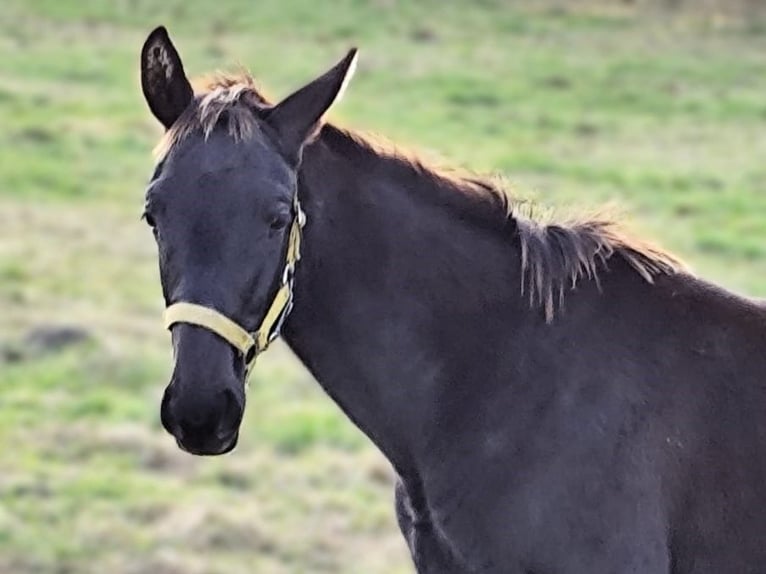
(555,255)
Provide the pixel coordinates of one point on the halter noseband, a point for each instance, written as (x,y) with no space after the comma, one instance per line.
(249,345)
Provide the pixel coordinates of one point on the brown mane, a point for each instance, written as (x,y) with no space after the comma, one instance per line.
(554,255)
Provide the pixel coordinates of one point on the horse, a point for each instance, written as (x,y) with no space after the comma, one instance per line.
(554,397)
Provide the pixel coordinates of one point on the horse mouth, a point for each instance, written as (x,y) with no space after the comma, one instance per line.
(210,448)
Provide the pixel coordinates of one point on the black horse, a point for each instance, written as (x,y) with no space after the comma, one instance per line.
(555,398)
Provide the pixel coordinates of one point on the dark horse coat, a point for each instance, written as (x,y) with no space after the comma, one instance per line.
(556,398)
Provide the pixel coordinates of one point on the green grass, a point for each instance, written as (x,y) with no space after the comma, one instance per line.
(576,104)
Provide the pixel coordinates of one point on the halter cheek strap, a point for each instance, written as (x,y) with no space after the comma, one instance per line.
(248,344)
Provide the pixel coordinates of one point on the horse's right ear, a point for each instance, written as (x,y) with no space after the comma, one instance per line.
(163,81)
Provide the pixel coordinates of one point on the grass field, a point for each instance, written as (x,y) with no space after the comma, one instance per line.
(662,113)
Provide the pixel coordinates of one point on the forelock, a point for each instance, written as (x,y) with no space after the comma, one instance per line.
(232,101)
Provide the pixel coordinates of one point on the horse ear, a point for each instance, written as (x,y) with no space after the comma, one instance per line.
(163,81)
(296,117)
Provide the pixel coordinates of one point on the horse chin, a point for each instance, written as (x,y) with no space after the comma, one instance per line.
(211,448)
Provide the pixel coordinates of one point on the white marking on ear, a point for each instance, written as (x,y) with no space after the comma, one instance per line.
(167,64)
(346,80)
(159,56)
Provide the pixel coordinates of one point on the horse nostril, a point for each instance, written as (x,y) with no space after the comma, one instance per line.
(231,413)
(166,411)
(231,406)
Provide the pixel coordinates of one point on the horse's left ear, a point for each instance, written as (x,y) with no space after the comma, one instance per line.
(296,117)
(163,80)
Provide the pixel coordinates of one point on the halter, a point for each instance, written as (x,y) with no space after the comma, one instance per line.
(248,344)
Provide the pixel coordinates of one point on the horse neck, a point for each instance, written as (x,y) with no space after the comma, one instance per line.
(394,291)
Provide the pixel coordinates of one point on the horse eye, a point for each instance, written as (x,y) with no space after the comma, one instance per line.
(277,222)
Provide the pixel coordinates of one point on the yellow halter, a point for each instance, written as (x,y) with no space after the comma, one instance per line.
(250,345)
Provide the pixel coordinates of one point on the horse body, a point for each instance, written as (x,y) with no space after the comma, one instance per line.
(554,398)
(604,441)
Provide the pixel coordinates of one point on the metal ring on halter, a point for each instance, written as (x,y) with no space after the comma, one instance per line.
(287,273)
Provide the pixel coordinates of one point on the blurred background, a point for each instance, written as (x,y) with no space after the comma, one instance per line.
(657,107)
